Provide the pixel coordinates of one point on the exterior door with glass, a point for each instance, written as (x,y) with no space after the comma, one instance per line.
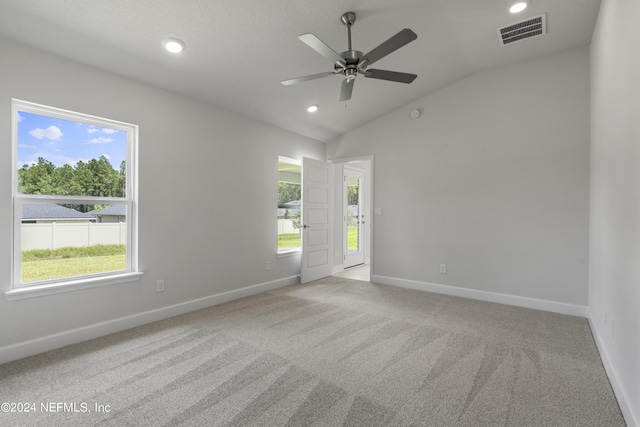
(353,216)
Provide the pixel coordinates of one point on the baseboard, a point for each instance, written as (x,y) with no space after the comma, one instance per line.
(632,419)
(537,304)
(73,336)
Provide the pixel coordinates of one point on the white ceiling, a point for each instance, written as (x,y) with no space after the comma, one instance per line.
(238,51)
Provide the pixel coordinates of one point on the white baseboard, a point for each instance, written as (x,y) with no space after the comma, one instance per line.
(537,304)
(27,348)
(632,419)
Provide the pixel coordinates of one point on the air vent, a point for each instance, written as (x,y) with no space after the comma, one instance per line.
(521,30)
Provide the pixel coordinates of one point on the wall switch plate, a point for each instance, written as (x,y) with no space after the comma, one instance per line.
(443,268)
(377,211)
(160,286)
(268,266)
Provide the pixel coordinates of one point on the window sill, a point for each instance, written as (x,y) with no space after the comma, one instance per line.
(70,286)
(290,252)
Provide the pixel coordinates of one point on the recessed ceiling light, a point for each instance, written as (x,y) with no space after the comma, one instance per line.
(173,45)
(518,6)
(312,109)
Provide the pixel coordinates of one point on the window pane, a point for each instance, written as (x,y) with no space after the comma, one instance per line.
(70,158)
(74,189)
(353,214)
(60,241)
(289,208)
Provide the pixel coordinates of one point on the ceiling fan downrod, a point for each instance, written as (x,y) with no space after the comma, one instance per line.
(348,19)
(351,57)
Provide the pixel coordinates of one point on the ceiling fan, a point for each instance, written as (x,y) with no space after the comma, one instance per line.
(352,62)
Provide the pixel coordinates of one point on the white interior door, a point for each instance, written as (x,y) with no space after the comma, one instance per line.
(317,233)
(353,219)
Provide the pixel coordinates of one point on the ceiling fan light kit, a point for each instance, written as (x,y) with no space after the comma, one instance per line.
(351,63)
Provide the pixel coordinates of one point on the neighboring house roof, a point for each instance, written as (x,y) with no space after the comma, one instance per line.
(51,211)
(119,210)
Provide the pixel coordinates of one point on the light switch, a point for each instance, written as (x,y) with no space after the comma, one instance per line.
(377,212)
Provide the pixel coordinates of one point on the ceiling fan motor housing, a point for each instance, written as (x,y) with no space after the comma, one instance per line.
(352,64)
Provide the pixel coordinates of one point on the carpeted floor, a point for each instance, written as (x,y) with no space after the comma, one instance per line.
(335,352)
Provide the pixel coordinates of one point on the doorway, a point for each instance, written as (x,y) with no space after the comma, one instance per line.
(353,213)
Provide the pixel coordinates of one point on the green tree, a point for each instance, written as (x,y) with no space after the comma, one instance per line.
(93,178)
(296,220)
(122,178)
(65,183)
(36,179)
(288,192)
(353,194)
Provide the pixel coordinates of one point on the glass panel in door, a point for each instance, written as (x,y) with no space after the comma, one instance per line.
(353,217)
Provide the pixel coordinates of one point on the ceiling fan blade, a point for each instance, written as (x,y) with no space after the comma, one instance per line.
(307,78)
(393,76)
(394,43)
(321,47)
(346,89)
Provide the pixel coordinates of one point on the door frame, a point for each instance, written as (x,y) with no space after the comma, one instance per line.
(369,208)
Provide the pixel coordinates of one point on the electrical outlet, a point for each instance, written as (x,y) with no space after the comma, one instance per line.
(160,286)
(443,268)
(268,265)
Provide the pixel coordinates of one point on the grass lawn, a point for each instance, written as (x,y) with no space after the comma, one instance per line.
(287,241)
(352,237)
(69,262)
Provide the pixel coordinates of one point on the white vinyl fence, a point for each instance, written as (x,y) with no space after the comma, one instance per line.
(285,226)
(59,235)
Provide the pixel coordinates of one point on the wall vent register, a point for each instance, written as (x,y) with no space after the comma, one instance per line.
(531,27)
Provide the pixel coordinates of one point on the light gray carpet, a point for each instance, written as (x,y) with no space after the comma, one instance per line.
(335,352)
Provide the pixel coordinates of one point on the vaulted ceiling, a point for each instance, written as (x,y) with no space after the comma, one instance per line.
(238,51)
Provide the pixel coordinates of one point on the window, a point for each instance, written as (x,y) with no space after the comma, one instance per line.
(289,204)
(74,198)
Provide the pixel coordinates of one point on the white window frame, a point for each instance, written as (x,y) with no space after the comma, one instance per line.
(21,290)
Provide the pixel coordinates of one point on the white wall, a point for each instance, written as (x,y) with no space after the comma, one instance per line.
(491,180)
(614,285)
(188,151)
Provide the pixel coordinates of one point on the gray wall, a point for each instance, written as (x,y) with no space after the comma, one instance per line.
(188,152)
(491,180)
(614,285)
